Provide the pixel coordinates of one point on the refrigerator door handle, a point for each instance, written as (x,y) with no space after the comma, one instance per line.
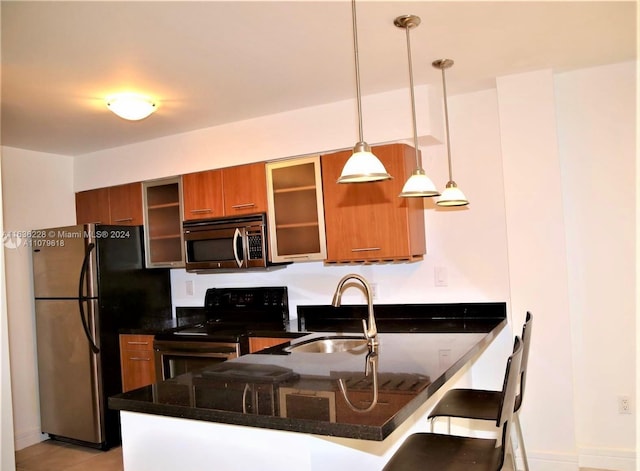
(82,298)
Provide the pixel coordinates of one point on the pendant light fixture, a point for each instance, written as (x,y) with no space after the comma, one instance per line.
(452,195)
(362,166)
(418,184)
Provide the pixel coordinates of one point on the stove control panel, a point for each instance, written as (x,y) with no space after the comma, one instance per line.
(268,304)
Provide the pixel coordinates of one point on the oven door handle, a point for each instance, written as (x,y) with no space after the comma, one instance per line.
(236,236)
(225,352)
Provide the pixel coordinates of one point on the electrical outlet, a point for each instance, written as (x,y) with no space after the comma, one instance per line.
(189,287)
(444,358)
(440,276)
(624,405)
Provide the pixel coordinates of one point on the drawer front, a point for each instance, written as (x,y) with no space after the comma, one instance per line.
(136,342)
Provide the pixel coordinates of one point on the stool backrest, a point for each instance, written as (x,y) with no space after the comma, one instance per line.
(509,389)
(526,343)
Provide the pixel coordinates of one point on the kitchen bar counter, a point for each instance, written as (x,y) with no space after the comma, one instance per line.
(252,390)
(247,413)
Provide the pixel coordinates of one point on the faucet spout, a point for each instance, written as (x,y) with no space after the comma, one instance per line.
(369,325)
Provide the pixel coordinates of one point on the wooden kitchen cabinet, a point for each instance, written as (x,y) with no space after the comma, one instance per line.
(296,210)
(163,220)
(125,204)
(202,195)
(369,222)
(120,205)
(225,192)
(245,189)
(260,343)
(93,206)
(137,361)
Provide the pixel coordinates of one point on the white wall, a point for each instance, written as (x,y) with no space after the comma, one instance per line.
(537,260)
(488,256)
(7,456)
(597,123)
(37,192)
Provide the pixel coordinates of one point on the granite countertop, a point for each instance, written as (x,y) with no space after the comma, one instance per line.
(277,389)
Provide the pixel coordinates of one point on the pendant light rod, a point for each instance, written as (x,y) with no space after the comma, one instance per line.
(452,195)
(443,64)
(418,184)
(363,165)
(407,22)
(357,67)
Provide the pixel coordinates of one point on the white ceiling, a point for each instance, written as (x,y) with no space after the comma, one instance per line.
(216,62)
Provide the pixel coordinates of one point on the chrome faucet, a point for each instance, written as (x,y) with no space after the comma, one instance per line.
(369,328)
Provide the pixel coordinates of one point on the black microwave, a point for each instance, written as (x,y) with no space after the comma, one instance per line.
(234,243)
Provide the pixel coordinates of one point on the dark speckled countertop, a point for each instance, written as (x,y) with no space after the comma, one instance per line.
(281,390)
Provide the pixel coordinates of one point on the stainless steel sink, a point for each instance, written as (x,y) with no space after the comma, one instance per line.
(332,344)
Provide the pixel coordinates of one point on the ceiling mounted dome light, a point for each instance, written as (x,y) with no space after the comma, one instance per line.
(131,106)
(452,195)
(363,165)
(419,184)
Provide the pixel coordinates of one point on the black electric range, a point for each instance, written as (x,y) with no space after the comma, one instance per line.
(231,315)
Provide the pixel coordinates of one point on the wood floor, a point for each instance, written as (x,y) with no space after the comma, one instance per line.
(56,456)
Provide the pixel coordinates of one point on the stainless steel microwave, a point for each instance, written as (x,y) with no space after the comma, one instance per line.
(234,243)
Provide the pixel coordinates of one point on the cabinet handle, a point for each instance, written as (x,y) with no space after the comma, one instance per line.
(201,211)
(244,205)
(139,359)
(365,249)
(123,220)
(133,342)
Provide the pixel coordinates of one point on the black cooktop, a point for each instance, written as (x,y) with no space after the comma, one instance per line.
(231,313)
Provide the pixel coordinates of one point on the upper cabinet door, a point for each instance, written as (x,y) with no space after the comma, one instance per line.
(369,222)
(93,206)
(125,202)
(120,205)
(202,195)
(245,189)
(296,213)
(163,220)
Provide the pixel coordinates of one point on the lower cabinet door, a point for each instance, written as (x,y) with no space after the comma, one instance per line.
(137,361)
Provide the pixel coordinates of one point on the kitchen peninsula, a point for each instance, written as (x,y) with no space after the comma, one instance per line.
(284,408)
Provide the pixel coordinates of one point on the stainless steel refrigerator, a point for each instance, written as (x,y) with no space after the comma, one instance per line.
(89,283)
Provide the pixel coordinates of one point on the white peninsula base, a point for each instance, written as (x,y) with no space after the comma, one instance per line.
(158,443)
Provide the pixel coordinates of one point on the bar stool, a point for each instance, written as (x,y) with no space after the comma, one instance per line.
(439,452)
(483,405)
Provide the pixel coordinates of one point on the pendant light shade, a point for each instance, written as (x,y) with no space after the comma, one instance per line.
(363,165)
(452,195)
(419,185)
(131,106)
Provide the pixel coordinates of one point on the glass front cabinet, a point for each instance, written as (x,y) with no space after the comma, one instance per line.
(163,223)
(295,210)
